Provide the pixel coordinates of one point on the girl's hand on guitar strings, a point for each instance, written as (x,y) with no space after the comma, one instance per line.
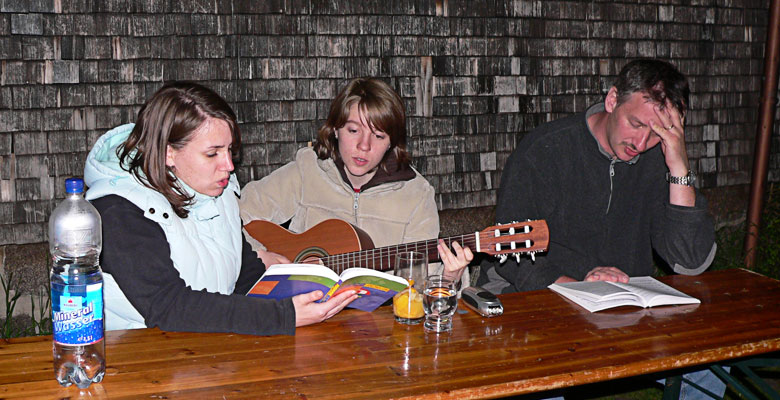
(454,264)
(308,312)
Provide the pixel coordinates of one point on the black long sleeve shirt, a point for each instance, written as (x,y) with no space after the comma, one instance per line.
(599,212)
(137,255)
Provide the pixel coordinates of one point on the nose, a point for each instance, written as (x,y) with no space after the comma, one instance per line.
(227,162)
(364,142)
(641,146)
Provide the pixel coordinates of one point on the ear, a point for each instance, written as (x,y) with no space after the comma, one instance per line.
(610,102)
(169,153)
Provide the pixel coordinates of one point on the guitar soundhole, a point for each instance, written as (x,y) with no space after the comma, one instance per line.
(311,255)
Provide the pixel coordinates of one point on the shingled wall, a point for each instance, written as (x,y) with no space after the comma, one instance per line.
(475,76)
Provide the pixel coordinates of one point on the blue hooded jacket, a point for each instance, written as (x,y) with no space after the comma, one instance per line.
(205,247)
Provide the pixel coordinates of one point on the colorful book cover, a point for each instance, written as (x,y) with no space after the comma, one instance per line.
(286,280)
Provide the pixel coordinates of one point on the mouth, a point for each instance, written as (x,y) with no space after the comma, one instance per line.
(359,161)
(631,152)
(223,183)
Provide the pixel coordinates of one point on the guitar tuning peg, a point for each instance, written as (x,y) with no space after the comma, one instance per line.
(517,257)
(533,256)
(502,258)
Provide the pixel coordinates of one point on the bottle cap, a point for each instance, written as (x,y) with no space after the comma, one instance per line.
(74,185)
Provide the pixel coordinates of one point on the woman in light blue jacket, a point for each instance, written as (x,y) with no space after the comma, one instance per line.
(173,253)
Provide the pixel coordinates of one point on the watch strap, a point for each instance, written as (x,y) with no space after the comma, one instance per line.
(686,180)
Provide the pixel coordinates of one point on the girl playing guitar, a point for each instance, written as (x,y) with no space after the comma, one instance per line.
(358,171)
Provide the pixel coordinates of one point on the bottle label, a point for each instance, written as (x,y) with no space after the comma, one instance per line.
(77,313)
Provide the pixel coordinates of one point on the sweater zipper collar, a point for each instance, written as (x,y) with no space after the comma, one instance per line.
(612,160)
(611,175)
(355,203)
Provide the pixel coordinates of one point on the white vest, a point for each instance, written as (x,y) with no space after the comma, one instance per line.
(205,246)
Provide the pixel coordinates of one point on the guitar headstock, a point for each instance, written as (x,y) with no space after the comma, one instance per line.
(514,238)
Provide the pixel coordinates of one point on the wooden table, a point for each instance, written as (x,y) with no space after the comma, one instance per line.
(542,342)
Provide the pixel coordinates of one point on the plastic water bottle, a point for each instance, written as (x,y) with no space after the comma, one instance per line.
(75,240)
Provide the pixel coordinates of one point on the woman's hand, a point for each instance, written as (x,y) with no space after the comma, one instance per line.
(454,264)
(308,312)
(271,258)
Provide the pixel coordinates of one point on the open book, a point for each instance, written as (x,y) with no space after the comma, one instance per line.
(642,291)
(286,280)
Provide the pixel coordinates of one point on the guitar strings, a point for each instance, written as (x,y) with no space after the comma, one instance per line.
(375,258)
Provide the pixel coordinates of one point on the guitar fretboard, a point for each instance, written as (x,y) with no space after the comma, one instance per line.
(383,259)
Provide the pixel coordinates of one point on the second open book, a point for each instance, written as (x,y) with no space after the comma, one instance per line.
(642,291)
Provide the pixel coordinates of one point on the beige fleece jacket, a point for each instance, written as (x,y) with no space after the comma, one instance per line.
(309,191)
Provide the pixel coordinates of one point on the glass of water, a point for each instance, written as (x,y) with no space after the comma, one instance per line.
(440,301)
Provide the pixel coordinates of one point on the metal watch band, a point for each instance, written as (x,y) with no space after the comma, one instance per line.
(686,180)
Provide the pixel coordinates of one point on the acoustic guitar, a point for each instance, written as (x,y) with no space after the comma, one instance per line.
(339,245)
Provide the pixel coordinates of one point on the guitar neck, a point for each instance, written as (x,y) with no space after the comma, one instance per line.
(383,259)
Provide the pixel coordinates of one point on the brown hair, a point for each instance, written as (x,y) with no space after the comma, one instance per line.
(657,80)
(383,109)
(170,117)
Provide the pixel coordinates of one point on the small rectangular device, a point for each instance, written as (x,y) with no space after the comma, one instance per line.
(482,301)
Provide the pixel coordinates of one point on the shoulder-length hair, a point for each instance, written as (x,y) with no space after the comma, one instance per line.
(170,118)
(383,110)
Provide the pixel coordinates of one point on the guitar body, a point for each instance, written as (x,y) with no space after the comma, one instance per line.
(329,237)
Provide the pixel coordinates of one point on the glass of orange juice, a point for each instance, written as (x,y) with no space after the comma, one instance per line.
(408,303)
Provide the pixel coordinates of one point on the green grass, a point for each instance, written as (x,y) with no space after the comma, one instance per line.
(39,323)
(731,240)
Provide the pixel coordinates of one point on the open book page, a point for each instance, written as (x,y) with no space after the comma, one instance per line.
(286,280)
(597,290)
(591,304)
(302,269)
(358,271)
(373,287)
(639,291)
(655,293)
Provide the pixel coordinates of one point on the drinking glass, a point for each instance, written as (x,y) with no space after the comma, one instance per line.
(407,304)
(440,302)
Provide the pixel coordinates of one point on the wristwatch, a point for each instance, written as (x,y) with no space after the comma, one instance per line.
(686,180)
